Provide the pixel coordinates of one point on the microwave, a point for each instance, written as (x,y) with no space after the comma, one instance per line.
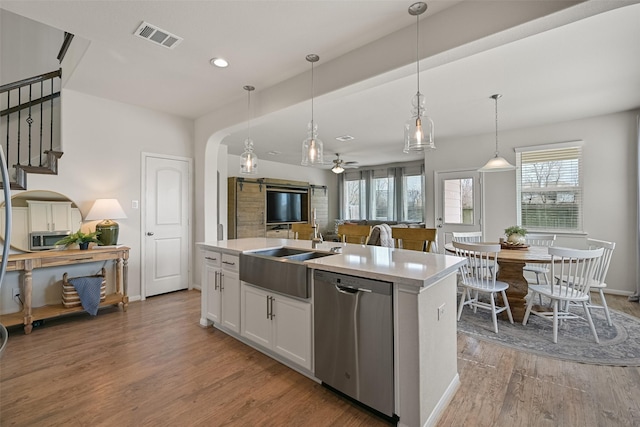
(42,240)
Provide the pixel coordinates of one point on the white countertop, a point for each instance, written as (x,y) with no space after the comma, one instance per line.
(374,262)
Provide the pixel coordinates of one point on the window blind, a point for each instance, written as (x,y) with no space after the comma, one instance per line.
(550,187)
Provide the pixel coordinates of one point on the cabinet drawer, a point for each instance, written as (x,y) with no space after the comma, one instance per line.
(230,262)
(212,258)
(279,234)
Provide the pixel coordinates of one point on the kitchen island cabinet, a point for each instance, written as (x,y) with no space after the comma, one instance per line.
(424,316)
(220,277)
(278,323)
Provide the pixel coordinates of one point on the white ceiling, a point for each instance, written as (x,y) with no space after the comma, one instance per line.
(564,66)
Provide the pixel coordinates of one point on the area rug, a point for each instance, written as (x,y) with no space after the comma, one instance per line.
(619,344)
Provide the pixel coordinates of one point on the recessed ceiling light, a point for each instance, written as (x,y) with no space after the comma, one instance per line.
(273,153)
(219,62)
(345,138)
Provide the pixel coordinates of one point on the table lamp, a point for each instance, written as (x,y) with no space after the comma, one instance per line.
(106,210)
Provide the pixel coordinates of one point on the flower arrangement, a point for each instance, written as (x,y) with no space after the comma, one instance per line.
(516,235)
(515,230)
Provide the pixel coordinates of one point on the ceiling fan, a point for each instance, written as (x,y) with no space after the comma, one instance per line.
(340,165)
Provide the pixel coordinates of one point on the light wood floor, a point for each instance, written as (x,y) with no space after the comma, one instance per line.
(155,365)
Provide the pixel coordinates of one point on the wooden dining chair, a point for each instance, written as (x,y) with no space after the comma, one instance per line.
(302,231)
(353,233)
(572,271)
(416,239)
(478,276)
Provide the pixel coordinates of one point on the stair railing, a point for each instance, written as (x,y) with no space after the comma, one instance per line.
(24,97)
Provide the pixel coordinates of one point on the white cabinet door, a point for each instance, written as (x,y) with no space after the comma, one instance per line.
(39,214)
(49,216)
(231,300)
(212,282)
(278,323)
(292,330)
(61,216)
(211,286)
(255,325)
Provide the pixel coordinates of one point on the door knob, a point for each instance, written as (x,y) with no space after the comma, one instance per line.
(149,233)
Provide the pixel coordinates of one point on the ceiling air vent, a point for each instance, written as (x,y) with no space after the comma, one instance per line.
(157,35)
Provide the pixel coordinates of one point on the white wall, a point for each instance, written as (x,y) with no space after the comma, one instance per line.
(103,141)
(19,35)
(610,190)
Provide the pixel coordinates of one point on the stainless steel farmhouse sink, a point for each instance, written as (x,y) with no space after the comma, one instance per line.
(281,270)
(280,252)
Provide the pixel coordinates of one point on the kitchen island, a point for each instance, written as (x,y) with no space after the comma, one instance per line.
(424,314)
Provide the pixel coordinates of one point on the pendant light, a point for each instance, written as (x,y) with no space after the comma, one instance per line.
(248,160)
(418,131)
(497,163)
(312,147)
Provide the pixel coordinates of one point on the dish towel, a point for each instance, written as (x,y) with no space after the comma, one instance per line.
(386,238)
(88,289)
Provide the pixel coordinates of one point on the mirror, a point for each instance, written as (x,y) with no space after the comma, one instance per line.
(45,214)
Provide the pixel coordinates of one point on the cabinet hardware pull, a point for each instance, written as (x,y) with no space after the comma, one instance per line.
(272,315)
(215,281)
(221,281)
(212,259)
(268,306)
(228,263)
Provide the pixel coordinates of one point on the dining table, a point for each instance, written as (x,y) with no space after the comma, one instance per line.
(511,262)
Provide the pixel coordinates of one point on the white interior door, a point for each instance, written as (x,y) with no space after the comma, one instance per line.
(458,203)
(167,209)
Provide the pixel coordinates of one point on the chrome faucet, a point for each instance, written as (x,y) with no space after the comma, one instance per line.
(317,236)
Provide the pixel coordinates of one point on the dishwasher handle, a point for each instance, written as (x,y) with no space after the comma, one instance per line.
(350,291)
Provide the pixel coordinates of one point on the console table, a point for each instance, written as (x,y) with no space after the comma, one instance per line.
(27,262)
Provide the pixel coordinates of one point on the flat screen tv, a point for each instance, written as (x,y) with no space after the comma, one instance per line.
(284,206)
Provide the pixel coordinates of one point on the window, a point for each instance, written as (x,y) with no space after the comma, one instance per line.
(354,197)
(384,194)
(413,200)
(458,201)
(549,186)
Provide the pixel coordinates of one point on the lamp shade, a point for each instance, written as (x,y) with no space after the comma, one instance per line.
(106,210)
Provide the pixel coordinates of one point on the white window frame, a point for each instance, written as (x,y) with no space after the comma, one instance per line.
(580,187)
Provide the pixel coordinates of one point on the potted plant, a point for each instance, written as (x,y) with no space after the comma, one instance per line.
(515,235)
(79,238)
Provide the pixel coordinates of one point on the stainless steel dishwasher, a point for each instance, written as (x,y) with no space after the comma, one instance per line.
(353,330)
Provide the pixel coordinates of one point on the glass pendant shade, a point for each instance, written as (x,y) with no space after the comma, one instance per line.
(497,163)
(337,169)
(312,147)
(248,160)
(418,131)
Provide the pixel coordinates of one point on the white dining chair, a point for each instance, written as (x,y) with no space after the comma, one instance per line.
(466,237)
(478,276)
(539,269)
(598,280)
(572,270)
